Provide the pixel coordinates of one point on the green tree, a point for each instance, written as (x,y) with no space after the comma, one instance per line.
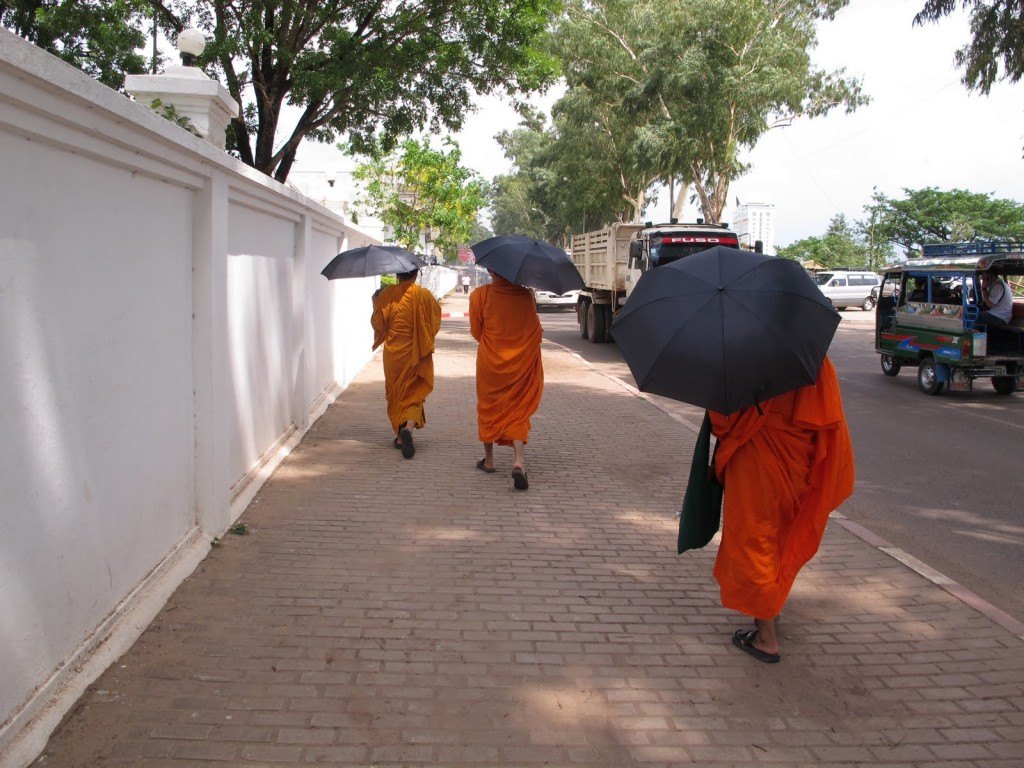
(420,192)
(806,250)
(559,183)
(100,37)
(700,80)
(997,41)
(373,71)
(519,199)
(841,247)
(599,121)
(931,215)
(879,250)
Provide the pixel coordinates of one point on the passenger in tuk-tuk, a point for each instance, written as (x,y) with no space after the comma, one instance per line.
(945,293)
(918,290)
(996,300)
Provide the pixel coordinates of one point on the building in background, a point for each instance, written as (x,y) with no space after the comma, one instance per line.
(753,222)
(337,191)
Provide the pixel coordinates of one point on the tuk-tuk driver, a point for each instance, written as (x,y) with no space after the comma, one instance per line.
(996,302)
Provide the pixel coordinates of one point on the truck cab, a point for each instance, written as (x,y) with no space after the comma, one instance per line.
(657,245)
(611,261)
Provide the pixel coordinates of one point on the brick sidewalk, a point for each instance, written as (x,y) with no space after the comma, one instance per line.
(388,612)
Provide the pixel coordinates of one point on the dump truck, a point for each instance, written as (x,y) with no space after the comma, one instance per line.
(611,261)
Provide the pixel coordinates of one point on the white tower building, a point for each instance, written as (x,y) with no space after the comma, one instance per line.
(755,221)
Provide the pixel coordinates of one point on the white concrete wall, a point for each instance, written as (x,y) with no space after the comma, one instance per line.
(439,280)
(165,337)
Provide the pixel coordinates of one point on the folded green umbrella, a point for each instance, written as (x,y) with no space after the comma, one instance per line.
(702,504)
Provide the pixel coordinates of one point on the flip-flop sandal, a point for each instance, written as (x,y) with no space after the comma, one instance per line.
(519,479)
(744,640)
(408,449)
(484,468)
(396,443)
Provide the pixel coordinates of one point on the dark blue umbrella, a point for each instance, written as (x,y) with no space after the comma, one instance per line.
(725,329)
(525,261)
(371,260)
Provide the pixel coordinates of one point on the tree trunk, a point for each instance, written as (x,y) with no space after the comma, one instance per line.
(680,202)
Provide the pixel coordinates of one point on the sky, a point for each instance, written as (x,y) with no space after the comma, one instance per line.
(922,127)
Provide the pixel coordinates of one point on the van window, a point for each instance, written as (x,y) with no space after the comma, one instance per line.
(822,278)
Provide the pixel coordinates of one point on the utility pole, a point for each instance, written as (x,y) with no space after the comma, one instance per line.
(871,233)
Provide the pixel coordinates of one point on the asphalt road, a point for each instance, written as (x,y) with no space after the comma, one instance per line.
(941,477)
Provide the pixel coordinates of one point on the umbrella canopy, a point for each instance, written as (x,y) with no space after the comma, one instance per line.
(532,263)
(725,329)
(371,260)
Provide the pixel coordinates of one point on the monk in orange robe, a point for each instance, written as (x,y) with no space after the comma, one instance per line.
(406,318)
(509,375)
(785,466)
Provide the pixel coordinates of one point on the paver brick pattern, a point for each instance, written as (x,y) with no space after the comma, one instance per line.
(389,612)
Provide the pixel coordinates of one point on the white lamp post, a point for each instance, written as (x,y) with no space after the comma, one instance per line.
(191,43)
(205,102)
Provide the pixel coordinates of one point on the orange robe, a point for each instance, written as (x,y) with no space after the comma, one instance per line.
(784,471)
(406,318)
(509,375)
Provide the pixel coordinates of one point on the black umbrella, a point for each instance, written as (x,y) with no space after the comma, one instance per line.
(725,329)
(525,261)
(371,260)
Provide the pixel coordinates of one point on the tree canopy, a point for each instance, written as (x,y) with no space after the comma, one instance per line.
(659,94)
(841,247)
(698,81)
(419,191)
(931,215)
(997,39)
(560,183)
(100,37)
(373,70)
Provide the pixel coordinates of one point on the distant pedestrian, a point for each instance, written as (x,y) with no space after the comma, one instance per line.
(465,283)
(509,375)
(406,318)
(785,465)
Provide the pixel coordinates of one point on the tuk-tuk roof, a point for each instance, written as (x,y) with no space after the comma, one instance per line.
(967,257)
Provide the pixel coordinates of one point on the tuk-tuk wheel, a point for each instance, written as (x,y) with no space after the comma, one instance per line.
(928,378)
(1004,385)
(890,367)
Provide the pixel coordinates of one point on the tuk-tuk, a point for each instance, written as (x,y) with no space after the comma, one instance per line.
(927,316)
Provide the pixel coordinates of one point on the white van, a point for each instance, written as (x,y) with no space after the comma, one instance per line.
(848,289)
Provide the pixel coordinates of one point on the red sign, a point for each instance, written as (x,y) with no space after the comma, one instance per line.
(466,256)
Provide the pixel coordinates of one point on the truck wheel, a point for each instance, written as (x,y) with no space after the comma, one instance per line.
(595,323)
(1004,385)
(890,367)
(868,304)
(604,323)
(928,377)
(581,316)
